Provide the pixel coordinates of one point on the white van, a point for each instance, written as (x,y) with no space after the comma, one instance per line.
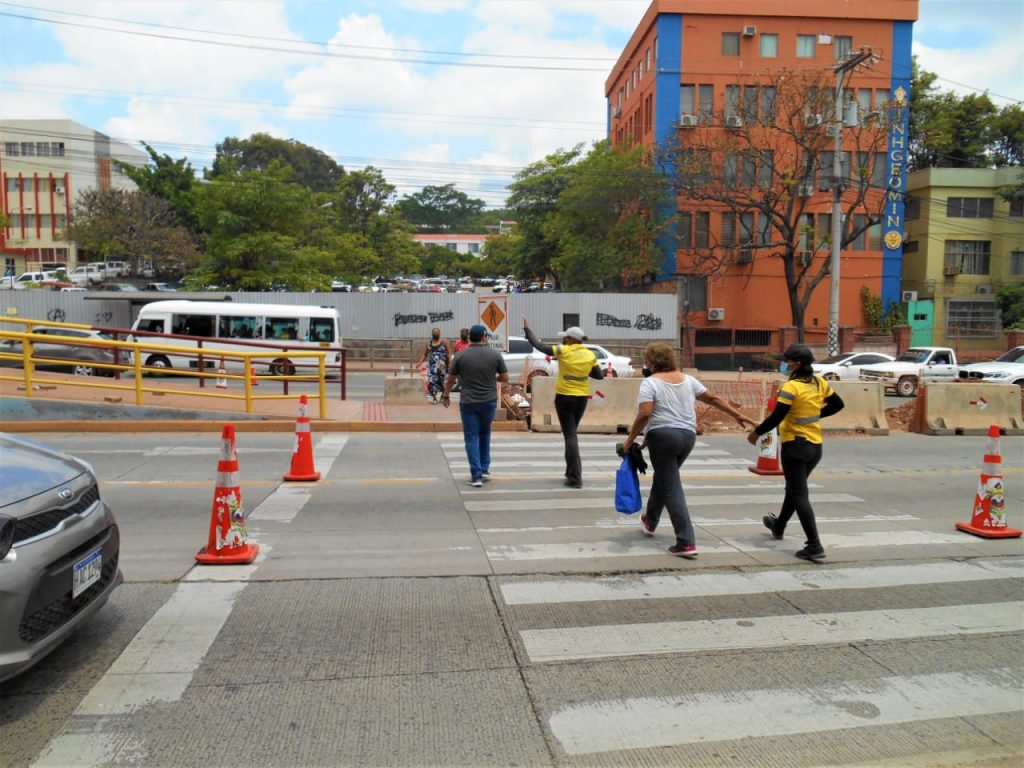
(290,324)
(27,278)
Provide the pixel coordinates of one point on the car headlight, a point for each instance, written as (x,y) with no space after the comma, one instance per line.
(997,375)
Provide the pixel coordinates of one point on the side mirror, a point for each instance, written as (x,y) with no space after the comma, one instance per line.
(6,536)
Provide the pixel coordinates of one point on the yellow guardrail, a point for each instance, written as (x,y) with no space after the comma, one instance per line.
(135,351)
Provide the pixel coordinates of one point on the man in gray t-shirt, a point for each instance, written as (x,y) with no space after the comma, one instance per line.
(479,368)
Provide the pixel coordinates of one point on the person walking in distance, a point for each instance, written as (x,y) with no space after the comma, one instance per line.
(460,345)
(667,415)
(437,358)
(576,364)
(478,368)
(805,399)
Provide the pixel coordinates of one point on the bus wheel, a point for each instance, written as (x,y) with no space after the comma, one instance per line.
(282,368)
(157,361)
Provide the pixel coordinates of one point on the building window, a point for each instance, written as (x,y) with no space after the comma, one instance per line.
(729,170)
(732,101)
(969,208)
(764,229)
(766,168)
(728,230)
(701,229)
(28,149)
(971,319)
(824,232)
(768,105)
(1017,262)
(730,43)
(11,149)
(685,229)
(910,246)
(860,225)
(43,148)
(687,104)
(750,100)
(842,46)
(769,46)
(863,102)
(805,46)
(706,103)
(912,207)
(1017,207)
(971,256)
(648,59)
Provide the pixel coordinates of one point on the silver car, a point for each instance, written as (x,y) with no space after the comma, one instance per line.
(81,359)
(59,548)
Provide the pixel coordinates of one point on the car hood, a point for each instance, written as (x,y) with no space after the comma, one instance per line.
(28,468)
(992,367)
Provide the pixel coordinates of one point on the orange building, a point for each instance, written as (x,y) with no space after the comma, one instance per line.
(716,68)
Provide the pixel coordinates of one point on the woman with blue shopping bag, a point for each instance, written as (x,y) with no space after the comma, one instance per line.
(667,416)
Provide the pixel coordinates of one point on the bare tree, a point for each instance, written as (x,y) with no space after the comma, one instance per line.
(762,169)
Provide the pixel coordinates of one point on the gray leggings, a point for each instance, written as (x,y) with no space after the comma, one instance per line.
(668,448)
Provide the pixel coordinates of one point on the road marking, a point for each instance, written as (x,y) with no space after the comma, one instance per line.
(156,667)
(326,451)
(692,500)
(644,547)
(653,587)
(624,521)
(284,503)
(644,723)
(760,486)
(640,639)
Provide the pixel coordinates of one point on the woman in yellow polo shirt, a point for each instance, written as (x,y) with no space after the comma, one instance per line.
(801,405)
(576,364)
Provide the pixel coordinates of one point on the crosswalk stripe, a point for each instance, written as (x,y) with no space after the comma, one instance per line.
(692,500)
(630,521)
(643,547)
(618,640)
(653,587)
(642,723)
(500,465)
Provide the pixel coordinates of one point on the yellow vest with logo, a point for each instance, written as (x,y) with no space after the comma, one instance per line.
(574,364)
(805,401)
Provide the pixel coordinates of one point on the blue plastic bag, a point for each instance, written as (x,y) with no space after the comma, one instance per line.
(627,489)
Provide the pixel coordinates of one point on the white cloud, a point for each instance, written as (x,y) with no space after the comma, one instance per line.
(966,70)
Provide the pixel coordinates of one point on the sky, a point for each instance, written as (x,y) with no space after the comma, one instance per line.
(430,92)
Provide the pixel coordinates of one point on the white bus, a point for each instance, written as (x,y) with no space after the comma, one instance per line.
(296,326)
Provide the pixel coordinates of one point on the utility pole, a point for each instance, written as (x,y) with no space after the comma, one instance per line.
(838,122)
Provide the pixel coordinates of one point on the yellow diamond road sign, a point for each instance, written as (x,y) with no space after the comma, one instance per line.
(492,316)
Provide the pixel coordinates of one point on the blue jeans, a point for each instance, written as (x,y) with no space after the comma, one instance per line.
(668,449)
(476,431)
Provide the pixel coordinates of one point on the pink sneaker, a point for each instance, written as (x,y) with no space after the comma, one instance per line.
(689,551)
(648,528)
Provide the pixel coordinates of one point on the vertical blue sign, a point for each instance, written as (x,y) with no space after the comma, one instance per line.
(893,220)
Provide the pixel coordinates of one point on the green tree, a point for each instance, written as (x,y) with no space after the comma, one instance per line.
(440,209)
(312,168)
(1008,136)
(132,227)
(167,178)
(259,225)
(1010,299)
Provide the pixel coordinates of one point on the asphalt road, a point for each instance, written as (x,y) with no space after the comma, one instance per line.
(397,617)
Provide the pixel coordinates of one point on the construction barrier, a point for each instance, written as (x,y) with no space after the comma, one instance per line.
(864,409)
(226,544)
(968,408)
(302,469)
(611,409)
(404,390)
(988,519)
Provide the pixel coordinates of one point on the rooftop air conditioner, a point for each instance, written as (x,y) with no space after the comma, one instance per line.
(749,31)
(734,121)
(716,313)
(950,270)
(806,257)
(908,296)
(687,121)
(59,189)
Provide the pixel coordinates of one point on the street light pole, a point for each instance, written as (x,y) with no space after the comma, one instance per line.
(838,121)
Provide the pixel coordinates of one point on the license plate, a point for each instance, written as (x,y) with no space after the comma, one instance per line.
(86,573)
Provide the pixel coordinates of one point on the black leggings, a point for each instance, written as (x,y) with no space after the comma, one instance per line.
(570,409)
(799,458)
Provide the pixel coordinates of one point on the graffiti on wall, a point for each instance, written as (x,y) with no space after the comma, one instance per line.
(643,322)
(430,317)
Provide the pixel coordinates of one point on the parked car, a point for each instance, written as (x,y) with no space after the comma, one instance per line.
(119,287)
(846,367)
(160,287)
(117,269)
(10,282)
(1008,368)
(29,278)
(83,360)
(87,274)
(59,549)
(618,365)
(519,350)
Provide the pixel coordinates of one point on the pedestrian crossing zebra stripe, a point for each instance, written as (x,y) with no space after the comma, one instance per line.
(499,465)
(624,521)
(642,723)
(760,632)
(645,547)
(692,500)
(660,586)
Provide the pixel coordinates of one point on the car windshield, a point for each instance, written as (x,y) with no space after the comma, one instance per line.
(913,356)
(1015,355)
(837,358)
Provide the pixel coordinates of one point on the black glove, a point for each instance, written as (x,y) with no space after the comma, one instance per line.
(636,457)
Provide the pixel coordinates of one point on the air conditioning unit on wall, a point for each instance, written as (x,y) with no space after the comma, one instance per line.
(950,270)
(749,31)
(734,121)
(716,313)
(908,296)
(687,121)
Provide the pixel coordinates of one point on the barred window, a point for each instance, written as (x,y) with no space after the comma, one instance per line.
(1017,207)
(971,256)
(968,318)
(11,149)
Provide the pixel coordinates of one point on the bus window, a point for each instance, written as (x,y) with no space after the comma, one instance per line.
(153,325)
(321,329)
(285,328)
(239,328)
(193,325)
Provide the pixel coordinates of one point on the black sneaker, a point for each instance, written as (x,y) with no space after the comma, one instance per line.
(689,551)
(572,484)
(812,552)
(771,522)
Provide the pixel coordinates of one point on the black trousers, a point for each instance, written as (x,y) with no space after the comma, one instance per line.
(799,458)
(570,410)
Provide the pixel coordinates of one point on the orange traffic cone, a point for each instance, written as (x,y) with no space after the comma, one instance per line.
(768,447)
(226,544)
(222,381)
(302,458)
(989,517)
(252,376)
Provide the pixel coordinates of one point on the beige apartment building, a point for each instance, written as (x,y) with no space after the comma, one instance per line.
(44,164)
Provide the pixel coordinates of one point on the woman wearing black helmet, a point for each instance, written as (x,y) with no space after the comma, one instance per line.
(802,403)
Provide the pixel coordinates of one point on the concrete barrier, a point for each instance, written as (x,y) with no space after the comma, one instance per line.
(864,411)
(968,408)
(611,409)
(405,390)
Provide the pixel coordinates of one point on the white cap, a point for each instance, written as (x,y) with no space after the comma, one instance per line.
(575,332)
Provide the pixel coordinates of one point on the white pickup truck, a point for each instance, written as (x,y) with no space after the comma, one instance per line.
(913,366)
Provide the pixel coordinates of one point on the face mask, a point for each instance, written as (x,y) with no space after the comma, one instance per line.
(784,367)
(646,371)
(436,335)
